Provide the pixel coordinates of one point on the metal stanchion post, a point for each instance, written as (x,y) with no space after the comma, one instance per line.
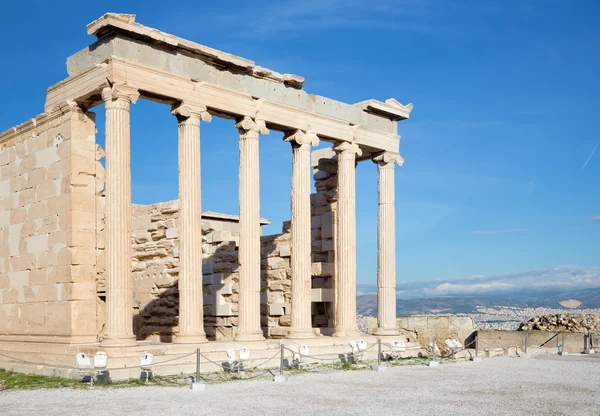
(281,377)
(379,368)
(476,358)
(433,362)
(197,385)
(562,345)
(281,354)
(588,348)
(197,364)
(526,340)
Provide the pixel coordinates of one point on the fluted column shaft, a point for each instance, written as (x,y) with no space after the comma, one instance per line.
(386,245)
(119,291)
(249,327)
(345,284)
(191,313)
(301,317)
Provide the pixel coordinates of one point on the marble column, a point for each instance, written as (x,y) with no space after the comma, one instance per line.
(191,313)
(249,328)
(301,317)
(119,291)
(345,256)
(386,244)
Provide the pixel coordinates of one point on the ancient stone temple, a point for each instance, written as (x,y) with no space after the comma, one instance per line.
(83,269)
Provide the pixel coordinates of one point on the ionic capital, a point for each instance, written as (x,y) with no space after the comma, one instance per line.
(120,91)
(185,111)
(347,149)
(301,139)
(250,129)
(386,159)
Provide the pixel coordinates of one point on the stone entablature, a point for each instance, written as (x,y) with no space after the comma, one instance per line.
(162,69)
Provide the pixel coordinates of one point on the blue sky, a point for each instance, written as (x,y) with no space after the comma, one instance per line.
(500,174)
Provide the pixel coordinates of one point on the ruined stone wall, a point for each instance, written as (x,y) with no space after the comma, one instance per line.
(156,272)
(48,190)
(276,285)
(323,230)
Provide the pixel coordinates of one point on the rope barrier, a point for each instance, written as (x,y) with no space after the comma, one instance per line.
(36,363)
(87,369)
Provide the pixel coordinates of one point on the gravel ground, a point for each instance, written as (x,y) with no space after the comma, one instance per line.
(549,385)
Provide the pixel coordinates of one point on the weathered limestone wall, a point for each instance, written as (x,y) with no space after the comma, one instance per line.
(48,188)
(537,341)
(422,328)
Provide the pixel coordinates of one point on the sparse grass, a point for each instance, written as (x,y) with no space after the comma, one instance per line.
(15,381)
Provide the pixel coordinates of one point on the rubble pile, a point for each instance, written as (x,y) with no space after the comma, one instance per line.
(561,322)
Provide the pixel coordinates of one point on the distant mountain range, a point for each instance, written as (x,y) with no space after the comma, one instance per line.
(582,299)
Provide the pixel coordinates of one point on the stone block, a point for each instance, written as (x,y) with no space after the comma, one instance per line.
(275,298)
(273,263)
(46,157)
(81,238)
(220,236)
(37,244)
(172,233)
(327,231)
(27,164)
(315,222)
(328,218)
(37,210)
(27,197)
(279,274)
(285,250)
(327,245)
(58,318)
(18,215)
(47,190)
(278,332)
(83,202)
(36,177)
(5,188)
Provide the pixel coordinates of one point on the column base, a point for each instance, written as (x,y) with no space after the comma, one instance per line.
(249,336)
(301,334)
(190,339)
(109,342)
(386,332)
(346,332)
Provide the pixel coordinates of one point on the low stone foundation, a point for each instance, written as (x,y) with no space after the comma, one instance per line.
(422,328)
(123,363)
(537,341)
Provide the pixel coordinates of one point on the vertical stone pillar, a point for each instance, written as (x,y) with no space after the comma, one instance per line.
(301,325)
(119,291)
(386,244)
(191,314)
(249,328)
(345,257)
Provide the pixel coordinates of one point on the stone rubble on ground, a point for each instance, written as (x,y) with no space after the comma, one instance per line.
(564,323)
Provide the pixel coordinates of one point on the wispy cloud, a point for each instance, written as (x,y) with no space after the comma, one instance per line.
(594,218)
(511,230)
(589,157)
(560,278)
